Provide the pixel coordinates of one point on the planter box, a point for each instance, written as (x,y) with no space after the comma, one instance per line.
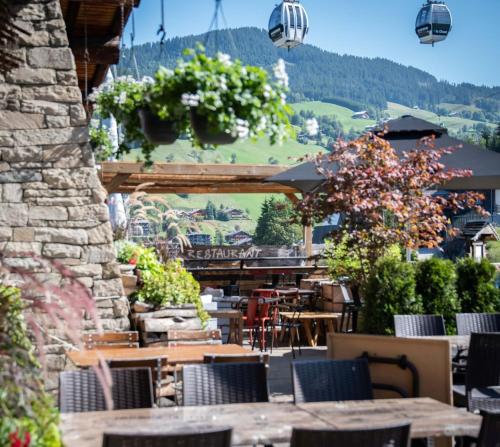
(334,296)
(129,284)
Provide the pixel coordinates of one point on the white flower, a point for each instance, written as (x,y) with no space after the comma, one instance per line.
(190,100)
(120,100)
(242,128)
(224,59)
(166,72)
(312,127)
(262,124)
(280,73)
(93,96)
(267,91)
(283,99)
(147,80)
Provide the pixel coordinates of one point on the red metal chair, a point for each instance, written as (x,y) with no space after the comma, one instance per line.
(260,314)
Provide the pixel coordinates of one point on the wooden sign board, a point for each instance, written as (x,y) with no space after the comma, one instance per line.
(222,253)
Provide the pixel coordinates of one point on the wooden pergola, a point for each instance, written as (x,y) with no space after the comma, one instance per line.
(189,178)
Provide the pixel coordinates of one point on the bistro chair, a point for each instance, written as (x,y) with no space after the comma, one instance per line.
(206,438)
(157,365)
(481,322)
(81,391)
(111,340)
(482,377)
(194,337)
(289,327)
(331,380)
(419,325)
(225,383)
(237,358)
(260,313)
(392,435)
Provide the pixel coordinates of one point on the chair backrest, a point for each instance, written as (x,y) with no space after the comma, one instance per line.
(331,380)
(220,437)
(419,325)
(393,436)
(237,358)
(81,391)
(194,337)
(469,323)
(225,383)
(489,436)
(111,340)
(157,365)
(260,306)
(483,362)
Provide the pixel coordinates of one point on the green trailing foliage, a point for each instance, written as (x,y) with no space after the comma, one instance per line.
(162,284)
(436,288)
(28,416)
(493,250)
(389,291)
(476,286)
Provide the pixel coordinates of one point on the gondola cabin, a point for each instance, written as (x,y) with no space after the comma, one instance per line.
(288,25)
(433,22)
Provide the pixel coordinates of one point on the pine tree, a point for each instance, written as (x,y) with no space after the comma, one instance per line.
(210,211)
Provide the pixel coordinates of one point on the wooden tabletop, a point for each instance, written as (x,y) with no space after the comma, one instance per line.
(271,423)
(456,341)
(311,315)
(175,355)
(295,291)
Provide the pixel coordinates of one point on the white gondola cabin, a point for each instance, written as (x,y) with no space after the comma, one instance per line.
(433,22)
(288,25)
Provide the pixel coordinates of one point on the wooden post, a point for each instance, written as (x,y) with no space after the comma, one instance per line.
(308,242)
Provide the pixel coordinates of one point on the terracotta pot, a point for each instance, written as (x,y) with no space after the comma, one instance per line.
(199,123)
(156,130)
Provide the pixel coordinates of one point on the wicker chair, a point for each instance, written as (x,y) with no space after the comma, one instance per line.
(419,325)
(469,323)
(489,435)
(482,379)
(81,391)
(261,357)
(207,438)
(225,383)
(394,436)
(331,380)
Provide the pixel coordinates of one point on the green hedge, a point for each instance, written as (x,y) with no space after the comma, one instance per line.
(435,285)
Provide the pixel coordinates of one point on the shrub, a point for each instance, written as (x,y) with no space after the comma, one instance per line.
(436,288)
(390,290)
(493,251)
(475,286)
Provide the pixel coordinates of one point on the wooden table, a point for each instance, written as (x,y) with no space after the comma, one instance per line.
(271,423)
(177,355)
(306,318)
(296,294)
(235,318)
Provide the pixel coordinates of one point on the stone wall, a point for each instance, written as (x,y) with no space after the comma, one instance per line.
(51,199)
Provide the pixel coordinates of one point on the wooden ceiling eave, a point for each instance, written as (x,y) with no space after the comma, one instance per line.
(172,178)
(104,21)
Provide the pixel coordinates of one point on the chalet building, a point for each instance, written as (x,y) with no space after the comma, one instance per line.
(234,213)
(239,238)
(197,239)
(141,228)
(363,115)
(197,214)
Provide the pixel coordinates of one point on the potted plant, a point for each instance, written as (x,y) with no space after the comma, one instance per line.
(227,100)
(100,140)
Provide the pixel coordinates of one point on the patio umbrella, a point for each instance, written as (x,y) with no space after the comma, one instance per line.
(404,134)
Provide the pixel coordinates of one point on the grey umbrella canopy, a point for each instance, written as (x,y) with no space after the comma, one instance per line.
(404,134)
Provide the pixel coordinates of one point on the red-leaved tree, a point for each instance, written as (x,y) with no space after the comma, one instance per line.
(384,198)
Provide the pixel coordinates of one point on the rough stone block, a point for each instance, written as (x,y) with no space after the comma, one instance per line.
(62,251)
(17,120)
(20,176)
(89,270)
(32,76)
(32,11)
(12,192)
(26,264)
(86,282)
(71,178)
(18,248)
(103,234)
(24,234)
(57,121)
(111,270)
(51,136)
(14,215)
(61,235)
(44,107)
(48,213)
(58,93)
(99,254)
(5,233)
(47,57)
(78,115)
(90,212)
(108,287)
(26,153)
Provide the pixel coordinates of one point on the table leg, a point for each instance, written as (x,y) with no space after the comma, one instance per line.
(330,326)
(307,330)
(317,332)
(240,330)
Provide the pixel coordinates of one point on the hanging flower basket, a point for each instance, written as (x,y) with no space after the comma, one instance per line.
(156,130)
(207,135)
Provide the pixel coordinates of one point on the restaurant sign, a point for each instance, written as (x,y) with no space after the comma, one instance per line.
(221,253)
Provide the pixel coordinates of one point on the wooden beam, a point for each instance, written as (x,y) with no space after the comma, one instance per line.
(104,50)
(308,242)
(107,2)
(269,188)
(194,169)
(116,182)
(293,198)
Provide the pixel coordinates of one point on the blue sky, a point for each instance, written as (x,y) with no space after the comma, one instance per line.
(383,28)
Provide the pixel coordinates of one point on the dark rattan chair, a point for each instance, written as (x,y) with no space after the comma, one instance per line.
(489,436)
(469,323)
(81,391)
(207,438)
(419,325)
(394,436)
(331,380)
(482,379)
(225,383)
